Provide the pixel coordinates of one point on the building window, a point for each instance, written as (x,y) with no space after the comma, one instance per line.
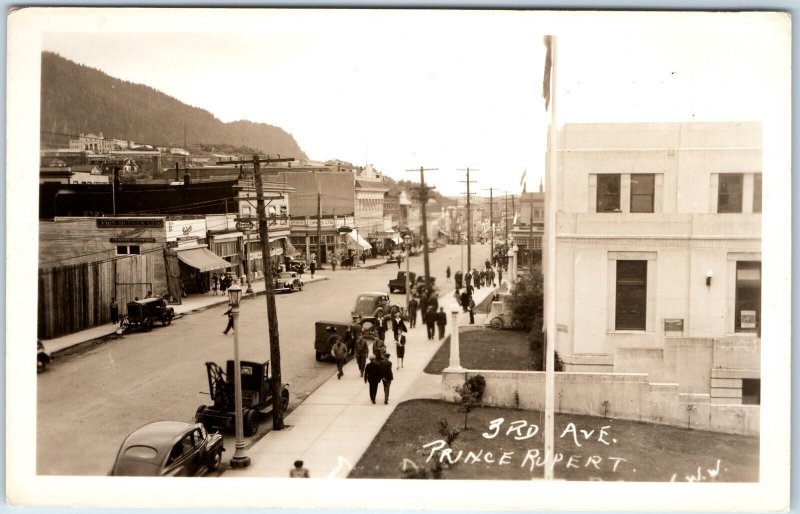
(757,192)
(730,193)
(748,296)
(128,250)
(631,306)
(608,193)
(642,192)
(751,391)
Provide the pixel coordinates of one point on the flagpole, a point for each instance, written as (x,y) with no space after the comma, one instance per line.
(550,292)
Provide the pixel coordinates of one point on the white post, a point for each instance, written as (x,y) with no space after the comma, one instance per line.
(239,460)
(455,359)
(512,267)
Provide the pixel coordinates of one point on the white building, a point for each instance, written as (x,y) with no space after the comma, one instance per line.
(658,254)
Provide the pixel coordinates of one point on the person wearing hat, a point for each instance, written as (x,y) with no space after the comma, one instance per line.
(387,376)
(339,351)
(372,375)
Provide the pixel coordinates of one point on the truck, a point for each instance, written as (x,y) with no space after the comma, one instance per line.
(398,285)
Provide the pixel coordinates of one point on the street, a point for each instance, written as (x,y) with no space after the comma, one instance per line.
(87,403)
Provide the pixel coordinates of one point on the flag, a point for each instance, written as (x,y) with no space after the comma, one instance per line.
(548,64)
(522,182)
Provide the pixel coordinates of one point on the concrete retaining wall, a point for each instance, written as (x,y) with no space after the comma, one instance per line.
(617,395)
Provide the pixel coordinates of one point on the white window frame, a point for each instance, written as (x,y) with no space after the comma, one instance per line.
(625,192)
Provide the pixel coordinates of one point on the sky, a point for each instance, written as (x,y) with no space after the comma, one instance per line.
(440,89)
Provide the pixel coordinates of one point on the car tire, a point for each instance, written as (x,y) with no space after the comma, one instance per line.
(250,422)
(215,460)
(41,365)
(285,398)
(318,356)
(167,320)
(147,325)
(198,415)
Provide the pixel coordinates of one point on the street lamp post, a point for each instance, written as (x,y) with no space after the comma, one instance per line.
(407,240)
(239,460)
(247,258)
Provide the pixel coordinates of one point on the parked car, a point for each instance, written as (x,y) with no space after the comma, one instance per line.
(323,330)
(143,313)
(395,257)
(419,286)
(169,449)
(288,281)
(367,303)
(297,266)
(42,358)
(398,285)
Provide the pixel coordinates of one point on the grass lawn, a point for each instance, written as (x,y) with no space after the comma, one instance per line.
(585,450)
(484,348)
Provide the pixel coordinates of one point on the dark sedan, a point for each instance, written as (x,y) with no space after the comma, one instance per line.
(169,449)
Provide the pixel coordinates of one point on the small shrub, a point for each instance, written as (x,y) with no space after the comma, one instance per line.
(449,433)
(471,393)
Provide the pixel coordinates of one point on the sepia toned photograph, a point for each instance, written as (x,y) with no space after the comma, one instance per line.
(572,226)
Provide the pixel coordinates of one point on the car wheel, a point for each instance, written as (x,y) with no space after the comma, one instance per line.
(285,399)
(147,325)
(198,414)
(250,422)
(215,460)
(41,365)
(318,356)
(166,320)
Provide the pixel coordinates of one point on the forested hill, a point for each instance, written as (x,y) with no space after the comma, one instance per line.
(78,99)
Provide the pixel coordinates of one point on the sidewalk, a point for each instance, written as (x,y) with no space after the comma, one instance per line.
(193,303)
(333,427)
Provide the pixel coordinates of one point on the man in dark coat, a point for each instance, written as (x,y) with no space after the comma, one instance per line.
(398,326)
(430,322)
(362,351)
(355,334)
(458,279)
(464,300)
(312,267)
(372,375)
(433,302)
(386,376)
(412,312)
(423,304)
(228,313)
(441,321)
(467,279)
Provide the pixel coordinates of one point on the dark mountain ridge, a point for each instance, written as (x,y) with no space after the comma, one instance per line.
(78,99)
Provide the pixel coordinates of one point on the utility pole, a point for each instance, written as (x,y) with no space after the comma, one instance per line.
(469,220)
(491,224)
(530,236)
(505,220)
(423,199)
(319,226)
(269,286)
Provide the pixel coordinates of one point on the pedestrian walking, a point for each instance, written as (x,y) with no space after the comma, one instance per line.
(423,305)
(386,376)
(363,257)
(333,263)
(362,352)
(380,323)
(400,346)
(214,284)
(490,274)
(412,312)
(223,284)
(465,300)
(355,334)
(372,376)
(298,471)
(441,321)
(459,277)
(467,279)
(434,302)
(499,276)
(398,326)
(447,273)
(476,279)
(399,258)
(312,267)
(114,308)
(471,311)
(228,313)
(430,322)
(339,352)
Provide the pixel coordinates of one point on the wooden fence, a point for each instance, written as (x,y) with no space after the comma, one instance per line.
(77,297)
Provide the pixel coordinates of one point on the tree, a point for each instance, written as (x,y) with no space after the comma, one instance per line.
(527,298)
(471,393)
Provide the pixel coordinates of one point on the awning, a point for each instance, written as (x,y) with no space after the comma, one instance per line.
(202,259)
(354,240)
(291,251)
(395,238)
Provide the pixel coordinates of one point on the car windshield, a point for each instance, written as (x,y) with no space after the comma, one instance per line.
(287,275)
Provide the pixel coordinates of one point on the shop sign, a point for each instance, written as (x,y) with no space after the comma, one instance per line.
(129,222)
(132,240)
(244,225)
(186,228)
(298,223)
(345,229)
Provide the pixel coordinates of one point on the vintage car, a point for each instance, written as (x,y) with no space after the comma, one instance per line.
(367,303)
(323,330)
(288,281)
(169,449)
(419,286)
(297,266)
(398,285)
(42,358)
(143,313)
(395,257)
